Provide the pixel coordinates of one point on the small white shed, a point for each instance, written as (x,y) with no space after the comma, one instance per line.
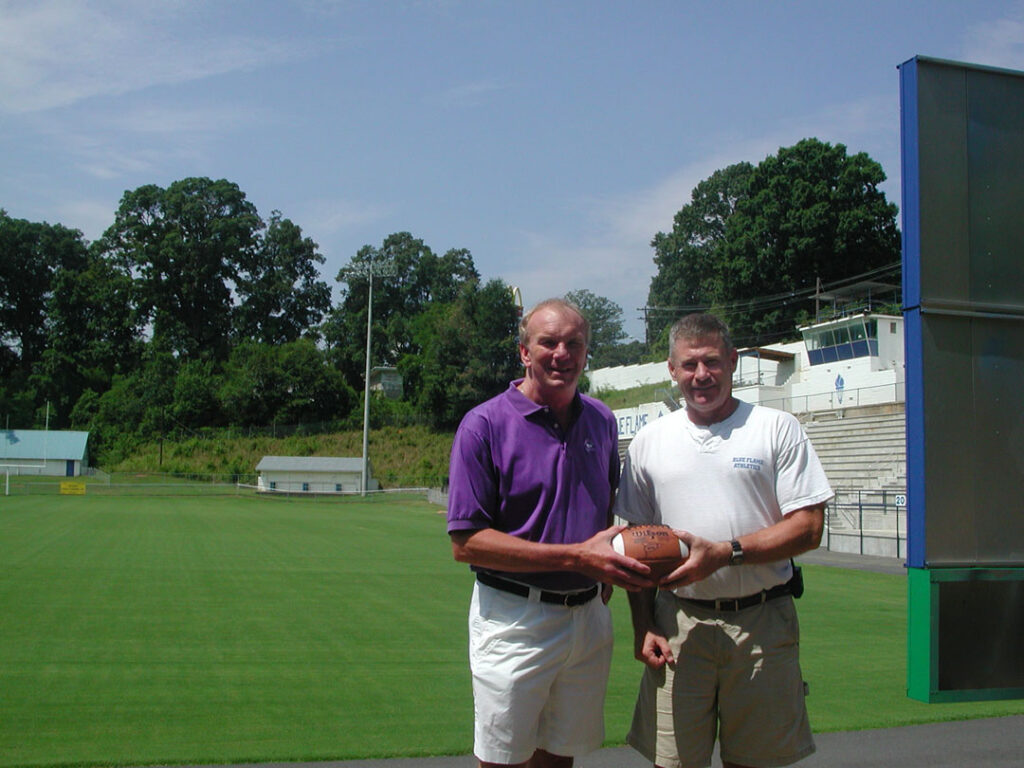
(312,474)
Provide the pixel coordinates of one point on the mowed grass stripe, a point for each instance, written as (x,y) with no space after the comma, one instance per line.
(241,629)
(186,630)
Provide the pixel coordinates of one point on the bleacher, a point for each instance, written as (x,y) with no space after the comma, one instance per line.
(863,448)
(865,457)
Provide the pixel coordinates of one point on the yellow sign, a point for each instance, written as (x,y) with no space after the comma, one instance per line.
(76,489)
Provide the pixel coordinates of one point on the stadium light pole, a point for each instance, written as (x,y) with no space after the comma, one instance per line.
(384,268)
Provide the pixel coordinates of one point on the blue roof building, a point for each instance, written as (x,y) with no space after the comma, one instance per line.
(43,452)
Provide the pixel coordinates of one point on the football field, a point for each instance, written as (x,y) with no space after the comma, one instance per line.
(140,630)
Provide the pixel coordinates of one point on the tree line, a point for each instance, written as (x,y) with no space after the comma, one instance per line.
(755,240)
(192,310)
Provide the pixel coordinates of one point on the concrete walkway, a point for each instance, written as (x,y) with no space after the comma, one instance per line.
(988,743)
(855,562)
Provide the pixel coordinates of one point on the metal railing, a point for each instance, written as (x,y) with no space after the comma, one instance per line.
(852,398)
(867,522)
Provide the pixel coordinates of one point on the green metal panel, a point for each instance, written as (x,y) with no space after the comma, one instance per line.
(964,631)
(921,641)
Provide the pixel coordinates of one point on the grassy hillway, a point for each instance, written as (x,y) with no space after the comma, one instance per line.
(411,456)
(399,456)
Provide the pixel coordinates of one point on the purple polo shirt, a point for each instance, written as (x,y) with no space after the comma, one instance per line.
(513,469)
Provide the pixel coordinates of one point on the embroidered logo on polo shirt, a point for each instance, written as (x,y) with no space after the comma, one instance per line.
(745,462)
(588,444)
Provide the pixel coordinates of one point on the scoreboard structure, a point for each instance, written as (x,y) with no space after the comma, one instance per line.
(962,136)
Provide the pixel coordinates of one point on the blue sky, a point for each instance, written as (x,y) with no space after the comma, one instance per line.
(551,139)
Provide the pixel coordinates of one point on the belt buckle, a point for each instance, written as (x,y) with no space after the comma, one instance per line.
(571,599)
(728,604)
(564,599)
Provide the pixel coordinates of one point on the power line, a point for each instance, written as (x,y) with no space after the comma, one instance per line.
(775,301)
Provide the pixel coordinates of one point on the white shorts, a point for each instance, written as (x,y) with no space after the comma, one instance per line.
(539,675)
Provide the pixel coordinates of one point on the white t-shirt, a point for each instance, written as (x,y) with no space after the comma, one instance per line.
(722,482)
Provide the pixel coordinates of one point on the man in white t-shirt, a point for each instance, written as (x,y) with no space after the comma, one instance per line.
(742,486)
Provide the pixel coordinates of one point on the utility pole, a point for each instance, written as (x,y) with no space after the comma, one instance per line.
(383,267)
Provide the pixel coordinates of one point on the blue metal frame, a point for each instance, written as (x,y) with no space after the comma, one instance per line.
(912,327)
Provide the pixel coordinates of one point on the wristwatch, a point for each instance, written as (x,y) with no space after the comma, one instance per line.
(737,553)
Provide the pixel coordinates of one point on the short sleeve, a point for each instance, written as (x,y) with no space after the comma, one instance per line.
(800,479)
(634,501)
(472,483)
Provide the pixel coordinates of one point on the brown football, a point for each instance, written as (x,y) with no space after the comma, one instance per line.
(653,545)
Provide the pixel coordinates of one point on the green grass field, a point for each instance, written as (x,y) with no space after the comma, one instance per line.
(192,630)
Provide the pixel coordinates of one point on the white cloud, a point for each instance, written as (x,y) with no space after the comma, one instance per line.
(91,216)
(108,163)
(997,43)
(106,156)
(144,139)
(161,119)
(55,53)
(606,246)
(339,216)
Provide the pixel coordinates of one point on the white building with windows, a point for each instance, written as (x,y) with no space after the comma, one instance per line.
(845,362)
(842,363)
(312,474)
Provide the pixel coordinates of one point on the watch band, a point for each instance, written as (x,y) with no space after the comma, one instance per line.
(737,553)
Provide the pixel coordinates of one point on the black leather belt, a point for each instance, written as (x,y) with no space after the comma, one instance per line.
(558,598)
(739,603)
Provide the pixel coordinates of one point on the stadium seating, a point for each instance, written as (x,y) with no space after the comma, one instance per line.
(865,449)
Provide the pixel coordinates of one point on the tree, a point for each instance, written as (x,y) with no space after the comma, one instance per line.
(195,404)
(135,408)
(51,333)
(316,391)
(185,246)
(689,257)
(450,273)
(629,353)
(416,278)
(810,212)
(281,297)
(605,318)
(30,254)
(468,352)
(287,384)
(91,333)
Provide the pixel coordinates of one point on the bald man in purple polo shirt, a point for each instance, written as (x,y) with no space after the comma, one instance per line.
(532,479)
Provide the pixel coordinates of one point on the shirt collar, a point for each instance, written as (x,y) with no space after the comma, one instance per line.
(527,407)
